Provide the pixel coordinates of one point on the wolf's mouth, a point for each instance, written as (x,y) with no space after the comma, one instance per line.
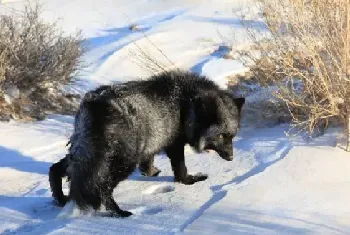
(227,158)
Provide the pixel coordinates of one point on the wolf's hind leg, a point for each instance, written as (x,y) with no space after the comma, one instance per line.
(113,207)
(57,172)
(116,175)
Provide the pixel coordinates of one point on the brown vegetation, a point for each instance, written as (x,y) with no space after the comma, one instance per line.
(36,61)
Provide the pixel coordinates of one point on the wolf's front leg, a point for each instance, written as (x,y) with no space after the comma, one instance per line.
(177,159)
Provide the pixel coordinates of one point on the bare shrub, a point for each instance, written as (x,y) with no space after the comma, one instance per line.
(307,57)
(36,61)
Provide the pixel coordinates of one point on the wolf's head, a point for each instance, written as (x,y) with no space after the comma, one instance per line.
(213,121)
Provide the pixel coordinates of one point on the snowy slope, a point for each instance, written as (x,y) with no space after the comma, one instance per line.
(187,32)
(300,191)
(274,185)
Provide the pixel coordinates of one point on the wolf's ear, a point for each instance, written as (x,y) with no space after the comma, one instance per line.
(239,103)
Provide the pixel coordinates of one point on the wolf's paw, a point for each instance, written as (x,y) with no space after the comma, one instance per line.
(191,179)
(121,214)
(152,172)
(60,201)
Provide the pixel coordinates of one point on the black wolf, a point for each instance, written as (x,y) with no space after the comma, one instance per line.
(121,126)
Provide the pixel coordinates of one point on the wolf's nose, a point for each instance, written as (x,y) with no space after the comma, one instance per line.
(229,158)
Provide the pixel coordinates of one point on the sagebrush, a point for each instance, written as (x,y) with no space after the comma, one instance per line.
(36,60)
(306,55)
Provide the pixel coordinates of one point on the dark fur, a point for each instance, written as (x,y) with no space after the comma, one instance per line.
(120,126)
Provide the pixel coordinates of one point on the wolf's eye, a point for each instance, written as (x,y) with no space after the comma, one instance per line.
(220,137)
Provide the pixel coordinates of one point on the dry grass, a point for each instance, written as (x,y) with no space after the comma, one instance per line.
(307,58)
(36,61)
(150,57)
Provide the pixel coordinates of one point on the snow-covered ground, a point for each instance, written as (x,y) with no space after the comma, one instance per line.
(275,185)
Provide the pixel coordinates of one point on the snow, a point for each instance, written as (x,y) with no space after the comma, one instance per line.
(185,31)
(219,68)
(301,189)
(274,185)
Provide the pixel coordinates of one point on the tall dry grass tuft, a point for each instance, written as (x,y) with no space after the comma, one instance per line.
(307,55)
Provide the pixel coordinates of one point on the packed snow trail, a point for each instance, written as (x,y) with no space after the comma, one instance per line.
(274,185)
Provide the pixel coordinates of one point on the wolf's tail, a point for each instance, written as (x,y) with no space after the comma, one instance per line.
(57,172)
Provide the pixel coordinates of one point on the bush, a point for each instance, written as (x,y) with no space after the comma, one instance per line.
(307,57)
(36,61)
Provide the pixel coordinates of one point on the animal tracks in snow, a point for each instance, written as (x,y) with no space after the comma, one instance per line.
(147,210)
(157,189)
